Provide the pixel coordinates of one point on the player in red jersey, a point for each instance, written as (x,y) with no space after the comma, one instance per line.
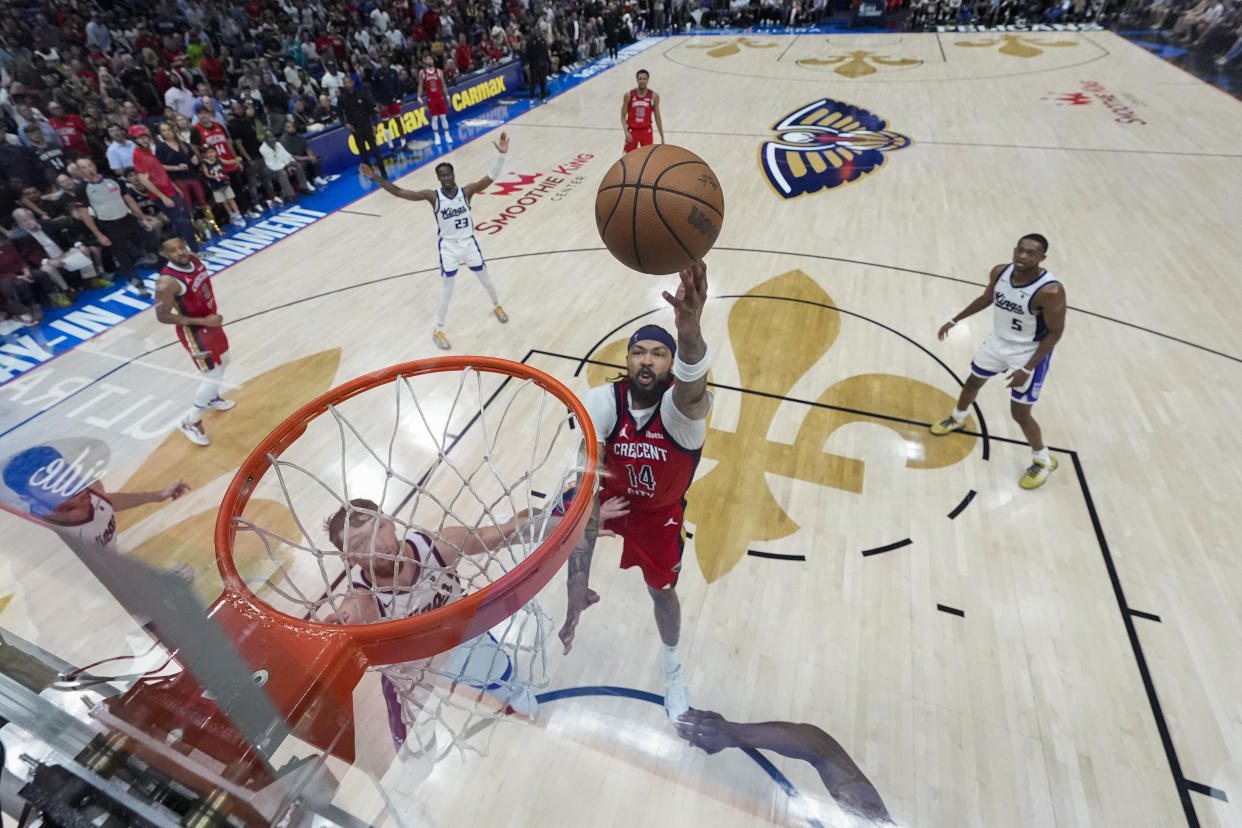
(431,81)
(652,430)
(639,107)
(183,298)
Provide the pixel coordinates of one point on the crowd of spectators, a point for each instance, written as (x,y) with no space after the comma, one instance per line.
(1207,28)
(924,14)
(125,122)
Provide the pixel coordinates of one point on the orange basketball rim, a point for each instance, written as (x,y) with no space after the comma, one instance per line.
(308,668)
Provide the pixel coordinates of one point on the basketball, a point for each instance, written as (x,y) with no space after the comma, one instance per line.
(659,209)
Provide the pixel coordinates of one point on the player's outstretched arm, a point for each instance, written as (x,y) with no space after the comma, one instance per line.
(625,115)
(389,187)
(581,595)
(844,780)
(526,526)
(502,147)
(982,301)
(655,111)
(691,362)
(129,500)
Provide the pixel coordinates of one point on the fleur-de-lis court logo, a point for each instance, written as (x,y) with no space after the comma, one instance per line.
(719,50)
(778,331)
(1017,45)
(858,64)
(823,145)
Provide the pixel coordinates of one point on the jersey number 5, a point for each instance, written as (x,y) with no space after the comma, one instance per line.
(644,476)
(1015,323)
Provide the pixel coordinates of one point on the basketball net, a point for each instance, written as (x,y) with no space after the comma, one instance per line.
(470,469)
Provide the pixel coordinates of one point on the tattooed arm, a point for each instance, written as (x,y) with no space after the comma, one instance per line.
(581,595)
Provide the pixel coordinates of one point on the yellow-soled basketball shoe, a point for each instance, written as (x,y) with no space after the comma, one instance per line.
(947,426)
(441,340)
(1037,473)
(500,314)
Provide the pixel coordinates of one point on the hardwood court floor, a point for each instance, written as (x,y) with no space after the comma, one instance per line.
(1069,656)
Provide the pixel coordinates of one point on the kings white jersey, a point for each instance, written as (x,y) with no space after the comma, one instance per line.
(1015,321)
(453,215)
(434,586)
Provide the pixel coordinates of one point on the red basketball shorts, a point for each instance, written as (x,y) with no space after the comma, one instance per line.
(391,110)
(207,346)
(639,138)
(436,105)
(653,542)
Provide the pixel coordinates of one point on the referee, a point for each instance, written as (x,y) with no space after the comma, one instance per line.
(114,218)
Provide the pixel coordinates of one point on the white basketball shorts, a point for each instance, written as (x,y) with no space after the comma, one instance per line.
(457,252)
(996,356)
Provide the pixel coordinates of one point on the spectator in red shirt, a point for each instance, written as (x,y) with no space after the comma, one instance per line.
(146,39)
(153,176)
(418,34)
(431,23)
(461,55)
(161,81)
(69,128)
(163,78)
(330,40)
(211,69)
(253,10)
(80,70)
(72,31)
(174,50)
(97,58)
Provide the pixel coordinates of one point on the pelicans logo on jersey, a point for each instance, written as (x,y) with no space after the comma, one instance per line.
(823,145)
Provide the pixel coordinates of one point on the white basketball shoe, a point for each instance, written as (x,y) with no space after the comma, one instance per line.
(194,433)
(676,699)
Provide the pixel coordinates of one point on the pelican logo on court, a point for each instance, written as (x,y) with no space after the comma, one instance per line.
(826,144)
